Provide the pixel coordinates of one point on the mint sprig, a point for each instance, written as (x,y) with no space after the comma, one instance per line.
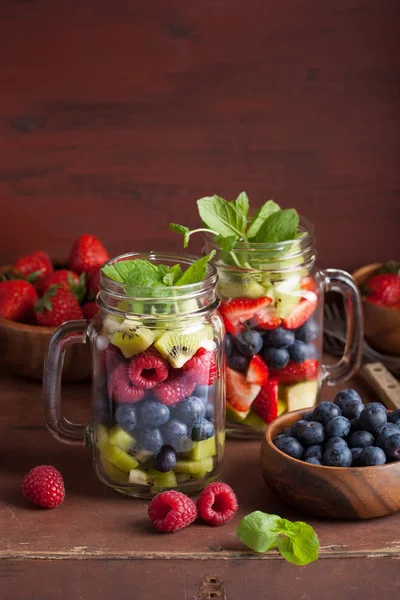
(296,541)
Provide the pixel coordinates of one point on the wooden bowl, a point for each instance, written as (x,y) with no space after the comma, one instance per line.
(381,324)
(334,492)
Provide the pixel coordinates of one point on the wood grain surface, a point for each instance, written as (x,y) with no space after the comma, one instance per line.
(116,116)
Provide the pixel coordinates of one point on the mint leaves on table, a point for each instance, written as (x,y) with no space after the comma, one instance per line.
(296,541)
(143,273)
(228,222)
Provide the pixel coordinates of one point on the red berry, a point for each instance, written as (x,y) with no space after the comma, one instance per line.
(57,306)
(217,504)
(239,392)
(294,372)
(17,300)
(147,370)
(302,312)
(177,387)
(384,288)
(257,371)
(35,266)
(170,511)
(236,311)
(44,486)
(87,253)
(266,403)
(202,367)
(120,387)
(90,310)
(93,280)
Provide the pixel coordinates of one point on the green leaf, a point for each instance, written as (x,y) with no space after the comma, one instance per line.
(226,243)
(111,272)
(279,227)
(267,209)
(162,270)
(185,231)
(259,531)
(301,545)
(142,273)
(173,275)
(242,203)
(196,272)
(221,216)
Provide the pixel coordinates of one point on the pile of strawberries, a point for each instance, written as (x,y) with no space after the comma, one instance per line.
(32,291)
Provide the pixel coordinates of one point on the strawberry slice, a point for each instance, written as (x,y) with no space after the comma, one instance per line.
(239,392)
(257,371)
(266,319)
(302,312)
(266,403)
(236,311)
(308,283)
(294,372)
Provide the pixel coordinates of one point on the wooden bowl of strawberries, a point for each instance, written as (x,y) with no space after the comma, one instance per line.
(36,296)
(379,285)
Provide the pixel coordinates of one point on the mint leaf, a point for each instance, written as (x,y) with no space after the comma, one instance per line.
(196,271)
(226,243)
(142,273)
(173,275)
(242,203)
(301,545)
(267,209)
(111,272)
(221,216)
(185,231)
(279,227)
(259,531)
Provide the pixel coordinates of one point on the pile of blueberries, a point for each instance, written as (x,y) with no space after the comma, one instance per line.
(277,347)
(344,433)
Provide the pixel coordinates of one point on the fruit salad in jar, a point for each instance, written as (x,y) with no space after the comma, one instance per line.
(158,409)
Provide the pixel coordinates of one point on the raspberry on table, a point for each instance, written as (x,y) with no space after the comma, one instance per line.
(170,511)
(147,370)
(44,486)
(217,503)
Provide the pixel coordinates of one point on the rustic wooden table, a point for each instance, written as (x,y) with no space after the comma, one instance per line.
(100,545)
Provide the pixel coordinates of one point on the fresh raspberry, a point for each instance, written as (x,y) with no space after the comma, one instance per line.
(44,486)
(113,358)
(217,503)
(147,370)
(120,388)
(170,511)
(177,387)
(202,367)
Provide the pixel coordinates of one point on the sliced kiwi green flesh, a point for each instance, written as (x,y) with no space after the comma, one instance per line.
(138,476)
(243,287)
(119,437)
(194,467)
(158,479)
(237,416)
(203,449)
(178,347)
(182,477)
(120,459)
(113,473)
(254,421)
(133,341)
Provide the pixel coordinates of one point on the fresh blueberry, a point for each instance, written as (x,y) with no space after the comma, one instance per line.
(325,411)
(288,431)
(337,427)
(335,441)
(355,425)
(352,409)
(189,410)
(394,417)
(290,446)
(313,460)
(296,425)
(371,457)
(151,439)
(249,342)
(125,416)
(237,362)
(166,459)
(372,417)
(204,392)
(385,431)
(281,436)
(356,455)
(345,396)
(313,451)
(391,447)
(361,439)
(276,358)
(298,351)
(312,351)
(210,410)
(281,338)
(202,431)
(308,416)
(153,414)
(307,332)
(173,431)
(183,446)
(337,456)
(228,344)
(311,433)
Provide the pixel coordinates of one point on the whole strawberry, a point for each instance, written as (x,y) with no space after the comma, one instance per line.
(87,253)
(92,279)
(384,288)
(17,300)
(67,279)
(90,310)
(35,266)
(44,486)
(57,306)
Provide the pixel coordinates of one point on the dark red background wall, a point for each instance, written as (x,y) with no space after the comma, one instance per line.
(115,116)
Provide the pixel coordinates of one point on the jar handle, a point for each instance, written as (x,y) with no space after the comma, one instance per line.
(339,281)
(71,332)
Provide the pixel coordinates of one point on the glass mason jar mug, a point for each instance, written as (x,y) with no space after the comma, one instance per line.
(272,307)
(158,389)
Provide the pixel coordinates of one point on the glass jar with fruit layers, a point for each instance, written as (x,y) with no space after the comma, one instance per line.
(158,406)
(272,307)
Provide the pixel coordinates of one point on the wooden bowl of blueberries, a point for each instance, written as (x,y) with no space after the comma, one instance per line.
(340,460)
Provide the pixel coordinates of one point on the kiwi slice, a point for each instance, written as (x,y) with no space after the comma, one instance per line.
(138,476)
(254,421)
(232,414)
(113,473)
(301,395)
(282,406)
(179,347)
(182,477)
(194,467)
(133,341)
(120,459)
(101,436)
(203,449)
(163,480)
(119,437)
(240,287)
